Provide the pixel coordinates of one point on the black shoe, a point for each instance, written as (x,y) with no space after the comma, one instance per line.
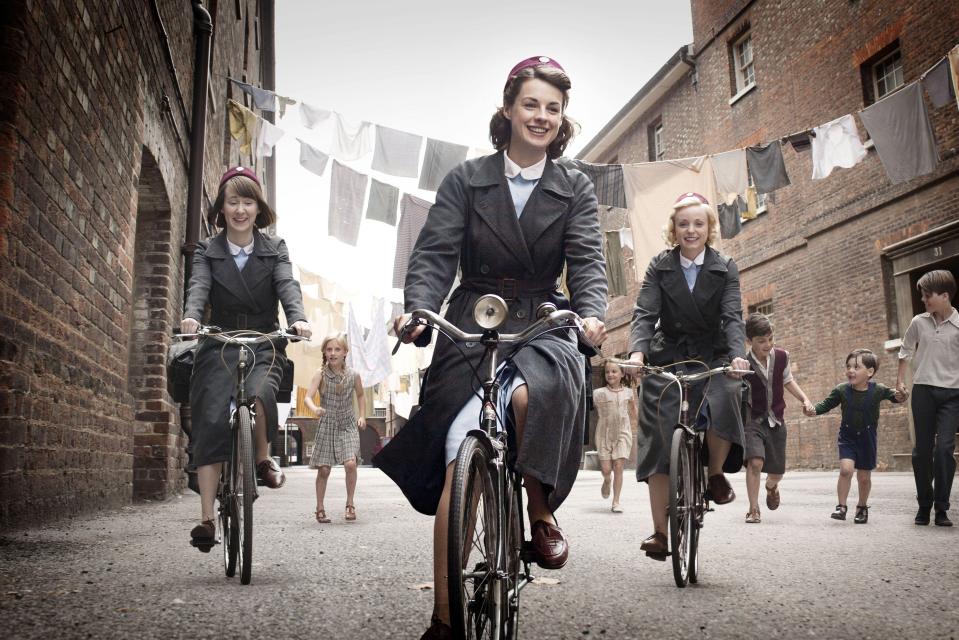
(942,519)
(840,512)
(922,516)
(862,514)
(203,536)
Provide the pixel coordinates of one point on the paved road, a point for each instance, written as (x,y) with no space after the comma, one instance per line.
(131,573)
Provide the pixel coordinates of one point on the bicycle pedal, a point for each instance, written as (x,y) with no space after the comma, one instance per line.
(527,554)
(204,545)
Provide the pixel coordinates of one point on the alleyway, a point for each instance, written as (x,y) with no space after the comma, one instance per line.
(131,574)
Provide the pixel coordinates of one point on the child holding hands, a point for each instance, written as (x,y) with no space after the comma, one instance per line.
(859,399)
(337,438)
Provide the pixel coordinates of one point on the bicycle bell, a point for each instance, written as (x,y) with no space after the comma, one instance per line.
(489,312)
(545,309)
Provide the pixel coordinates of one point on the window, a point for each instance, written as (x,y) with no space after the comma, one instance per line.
(743,71)
(887,75)
(765,307)
(654,132)
(760,197)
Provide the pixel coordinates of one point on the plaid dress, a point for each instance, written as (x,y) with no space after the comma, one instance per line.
(337,437)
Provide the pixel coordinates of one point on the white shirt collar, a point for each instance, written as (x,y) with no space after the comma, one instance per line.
(532,172)
(953,317)
(236,249)
(686,263)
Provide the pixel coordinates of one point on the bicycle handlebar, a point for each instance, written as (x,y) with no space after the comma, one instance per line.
(241,336)
(557,318)
(680,377)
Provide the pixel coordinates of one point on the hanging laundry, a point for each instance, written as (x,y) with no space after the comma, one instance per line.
(478,152)
(900,128)
(938,84)
(953,56)
(383,200)
(312,159)
(732,176)
(369,356)
(615,278)
(268,136)
(752,204)
(766,166)
(284,103)
(836,144)
(243,125)
(396,309)
(347,189)
(352,141)
(413,212)
(263,99)
(440,158)
(312,116)
(397,152)
(651,189)
(626,238)
(607,181)
(730,218)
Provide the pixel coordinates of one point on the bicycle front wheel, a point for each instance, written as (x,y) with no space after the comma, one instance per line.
(681,508)
(515,574)
(245,485)
(699,511)
(475,593)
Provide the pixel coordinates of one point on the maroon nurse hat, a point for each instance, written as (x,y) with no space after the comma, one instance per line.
(233,172)
(689,198)
(535,61)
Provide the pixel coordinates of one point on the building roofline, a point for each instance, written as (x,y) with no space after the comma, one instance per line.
(657,86)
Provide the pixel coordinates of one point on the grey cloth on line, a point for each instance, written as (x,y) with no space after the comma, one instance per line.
(413,212)
(938,85)
(263,99)
(397,152)
(383,200)
(900,128)
(730,218)
(312,158)
(766,166)
(440,158)
(615,274)
(607,181)
(347,189)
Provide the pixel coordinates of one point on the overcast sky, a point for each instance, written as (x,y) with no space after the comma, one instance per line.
(437,69)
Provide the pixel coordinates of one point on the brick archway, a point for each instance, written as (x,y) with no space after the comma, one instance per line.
(157,444)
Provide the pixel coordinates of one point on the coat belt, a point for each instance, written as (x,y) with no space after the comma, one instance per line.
(231,321)
(509,288)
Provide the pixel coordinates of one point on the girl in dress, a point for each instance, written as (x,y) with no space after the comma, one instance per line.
(337,436)
(616,405)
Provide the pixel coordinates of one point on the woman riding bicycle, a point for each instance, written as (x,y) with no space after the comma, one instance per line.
(511,222)
(241,274)
(689,308)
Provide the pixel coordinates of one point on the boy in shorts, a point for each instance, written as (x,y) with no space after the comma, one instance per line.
(858,435)
(764,426)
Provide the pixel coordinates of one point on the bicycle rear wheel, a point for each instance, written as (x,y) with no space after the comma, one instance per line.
(245,485)
(680,506)
(228,528)
(515,574)
(699,511)
(475,594)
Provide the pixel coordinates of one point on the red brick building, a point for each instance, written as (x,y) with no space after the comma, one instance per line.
(96,118)
(834,261)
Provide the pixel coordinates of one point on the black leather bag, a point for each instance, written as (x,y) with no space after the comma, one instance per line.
(179,368)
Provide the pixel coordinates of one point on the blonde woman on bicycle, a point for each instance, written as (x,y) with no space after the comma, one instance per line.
(240,274)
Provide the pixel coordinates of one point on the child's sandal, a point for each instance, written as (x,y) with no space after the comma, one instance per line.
(840,512)
(321,516)
(350,513)
(753,516)
(862,514)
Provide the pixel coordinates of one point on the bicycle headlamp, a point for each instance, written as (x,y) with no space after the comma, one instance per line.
(489,312)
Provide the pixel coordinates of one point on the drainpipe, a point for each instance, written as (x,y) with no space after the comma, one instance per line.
(203,32)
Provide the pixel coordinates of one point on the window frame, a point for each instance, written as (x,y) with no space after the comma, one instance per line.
(875,77)
(744,73)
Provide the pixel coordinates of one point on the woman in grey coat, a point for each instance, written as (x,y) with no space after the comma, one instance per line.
(689,308)
(241,274)
(511,222)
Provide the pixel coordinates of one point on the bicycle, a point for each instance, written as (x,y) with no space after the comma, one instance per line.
(236,489)
(488,554)
(688,498)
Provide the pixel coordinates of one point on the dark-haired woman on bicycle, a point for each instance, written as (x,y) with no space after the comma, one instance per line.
(241,274)
(689,308)
(511,222)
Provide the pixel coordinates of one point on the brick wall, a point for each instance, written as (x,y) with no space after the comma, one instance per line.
(94,142)
(816,252)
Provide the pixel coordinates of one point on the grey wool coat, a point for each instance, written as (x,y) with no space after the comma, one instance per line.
(244,299)
(473,225)
(671,324)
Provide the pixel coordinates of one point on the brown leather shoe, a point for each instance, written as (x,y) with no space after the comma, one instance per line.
(772,498)
(550,545)
(720,491)
(269,472)
(203,536)
(655,546)
(438,630)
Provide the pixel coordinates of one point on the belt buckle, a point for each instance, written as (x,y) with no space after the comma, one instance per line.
(507,288)
(241,321)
